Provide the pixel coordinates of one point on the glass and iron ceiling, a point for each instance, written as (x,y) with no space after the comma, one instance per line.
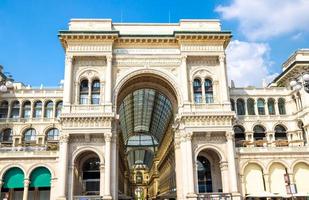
(144,117)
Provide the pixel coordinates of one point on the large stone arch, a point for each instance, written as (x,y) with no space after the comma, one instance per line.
(82,150)
(214,148)
(170,80)
(242,169)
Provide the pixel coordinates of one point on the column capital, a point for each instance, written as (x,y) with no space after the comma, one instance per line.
(108,137)
(229,135)
(64,139)
(224,165)
(26,182)
(109,58)
(69,58)
(221,58)
(183,58)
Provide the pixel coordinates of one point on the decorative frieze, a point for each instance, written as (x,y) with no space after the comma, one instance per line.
(201,47)
(89,47)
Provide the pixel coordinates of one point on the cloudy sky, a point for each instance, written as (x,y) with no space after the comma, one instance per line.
(265,32)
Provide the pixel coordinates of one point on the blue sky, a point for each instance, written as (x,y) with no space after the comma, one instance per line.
(265,32)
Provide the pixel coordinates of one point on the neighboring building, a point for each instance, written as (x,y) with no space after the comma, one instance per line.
(146,112)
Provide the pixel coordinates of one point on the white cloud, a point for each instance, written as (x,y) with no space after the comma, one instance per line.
(263,19)
(248,63)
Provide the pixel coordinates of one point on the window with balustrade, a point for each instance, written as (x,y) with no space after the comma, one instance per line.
(239,135)
(95,92)
(58,109)
(83,92)
(37,109)
(259,133)
(281,106)
(250,106)
(208,91)
(26,110)
(49,107)
(15,109)
(280,133)
(240,107)
(29,136)
(52,135)
(197,90)
(6,136)
(271,106)
(4,108)
(261,106)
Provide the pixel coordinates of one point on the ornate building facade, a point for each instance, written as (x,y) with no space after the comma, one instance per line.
(146,112)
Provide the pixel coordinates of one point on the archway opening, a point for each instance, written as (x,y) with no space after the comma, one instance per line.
(40,182)
(209,178)
(146,105)
(86,174)
(13,184)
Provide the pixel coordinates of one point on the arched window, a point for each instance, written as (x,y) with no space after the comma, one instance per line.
(15,109)
(91,176)
(95,92)
(52,134)
(271,106)
(58,109)
(259,133)
(239,135)
(261,106)
(37,109)
(30,135)
(209,97)
(27,109)
(204,175)
(49,106)
(240,107)
(301,127)
(232,104)
(197,89)
(4,108)
(250,106)
(6,136)
(280,133)
(281,106)
(83,92)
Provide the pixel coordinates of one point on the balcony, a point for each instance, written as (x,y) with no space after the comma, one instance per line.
(23,120)
(20,150)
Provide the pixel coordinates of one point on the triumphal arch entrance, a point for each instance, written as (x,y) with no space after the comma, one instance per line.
(146,112)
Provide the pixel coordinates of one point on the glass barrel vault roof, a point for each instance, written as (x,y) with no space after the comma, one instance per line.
(144,117)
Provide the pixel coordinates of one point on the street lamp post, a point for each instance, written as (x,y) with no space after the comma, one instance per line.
(298,84)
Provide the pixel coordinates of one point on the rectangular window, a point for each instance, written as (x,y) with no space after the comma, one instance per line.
(27,113)
(83,99)
(198,97)
(95,99)
(209,98)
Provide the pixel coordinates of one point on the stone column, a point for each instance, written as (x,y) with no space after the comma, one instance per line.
(223,78)
(26,189)
(276,107)
(178,162)
(231,161)
(63,165)
(266,180)
(68,74)
(183,164)
(224,176)
(52,188)
(108,79)
(243,185)
(184,77)
(255,106)
(102,178)
(107,176)
(191,193)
